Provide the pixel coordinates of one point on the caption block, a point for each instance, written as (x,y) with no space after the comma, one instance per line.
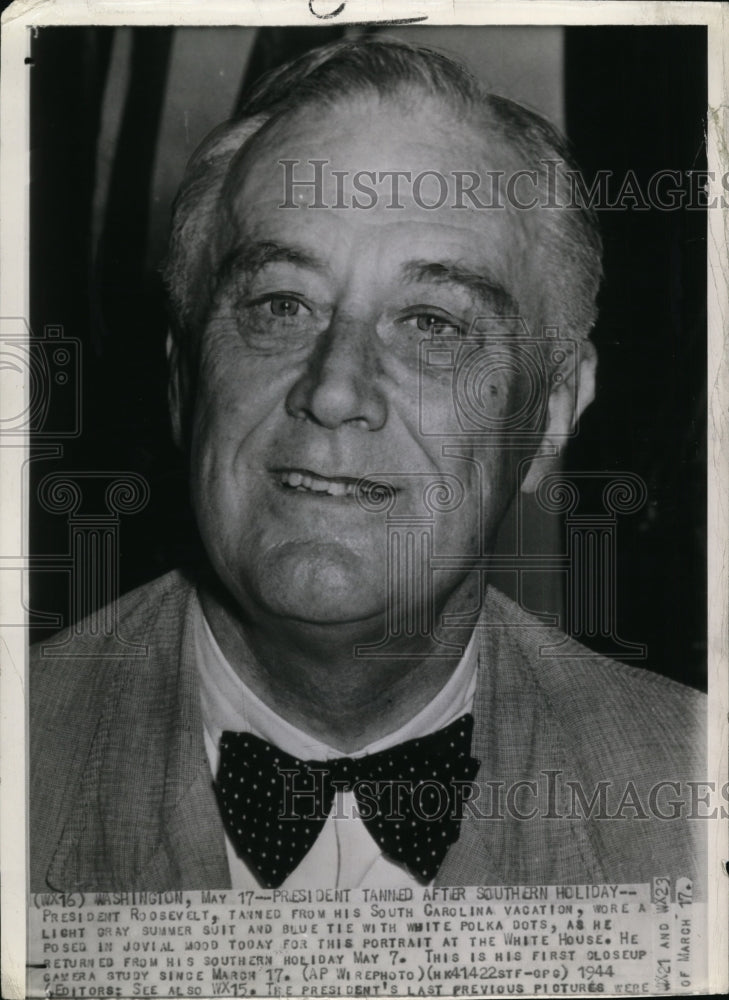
(476,941)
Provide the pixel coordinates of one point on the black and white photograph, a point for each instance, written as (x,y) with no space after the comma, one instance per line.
(363,454)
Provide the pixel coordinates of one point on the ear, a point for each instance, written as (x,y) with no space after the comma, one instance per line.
(567,402)
(175,394)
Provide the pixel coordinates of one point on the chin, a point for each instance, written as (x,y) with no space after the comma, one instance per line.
(322,583)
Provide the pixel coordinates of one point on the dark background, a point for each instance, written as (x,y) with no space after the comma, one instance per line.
(635,99)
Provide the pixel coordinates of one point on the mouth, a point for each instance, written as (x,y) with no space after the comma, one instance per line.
(305,481)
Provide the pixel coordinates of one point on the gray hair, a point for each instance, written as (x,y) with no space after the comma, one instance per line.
(568,246)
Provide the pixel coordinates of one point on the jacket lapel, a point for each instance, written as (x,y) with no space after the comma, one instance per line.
(154,824)
(518,738)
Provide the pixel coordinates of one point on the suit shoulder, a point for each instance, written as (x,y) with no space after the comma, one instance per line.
(124,659)
(594,700)
(67,667)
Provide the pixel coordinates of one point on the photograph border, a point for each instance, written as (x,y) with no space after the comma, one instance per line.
(18,21)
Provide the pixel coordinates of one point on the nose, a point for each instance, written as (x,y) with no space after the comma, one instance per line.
(342,381)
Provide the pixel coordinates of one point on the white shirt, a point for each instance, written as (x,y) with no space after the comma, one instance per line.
(344,854)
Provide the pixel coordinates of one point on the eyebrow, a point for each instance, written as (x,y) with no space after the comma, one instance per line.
(487,289)
(253,257)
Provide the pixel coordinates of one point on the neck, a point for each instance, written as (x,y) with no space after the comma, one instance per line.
(310,675)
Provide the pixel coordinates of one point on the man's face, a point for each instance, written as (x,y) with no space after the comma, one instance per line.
(310,376)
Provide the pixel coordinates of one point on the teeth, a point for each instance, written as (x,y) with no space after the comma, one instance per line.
(316,484)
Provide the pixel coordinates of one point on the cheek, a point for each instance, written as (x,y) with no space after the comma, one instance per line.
(214,418)
(486,480)
(220,461)
(237,394)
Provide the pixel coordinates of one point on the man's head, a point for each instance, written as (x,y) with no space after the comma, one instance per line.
(300,315)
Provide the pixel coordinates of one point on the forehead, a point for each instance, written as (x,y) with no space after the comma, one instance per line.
(410,131)
(383,173)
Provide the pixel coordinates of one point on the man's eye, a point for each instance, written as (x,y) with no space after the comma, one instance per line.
(428,322)
(282,306)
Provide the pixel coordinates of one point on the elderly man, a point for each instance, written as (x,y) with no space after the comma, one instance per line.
(271,736)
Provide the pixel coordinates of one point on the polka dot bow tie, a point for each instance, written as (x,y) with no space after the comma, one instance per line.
(409,797)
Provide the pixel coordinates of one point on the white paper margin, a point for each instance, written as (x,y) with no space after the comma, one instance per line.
(17,23)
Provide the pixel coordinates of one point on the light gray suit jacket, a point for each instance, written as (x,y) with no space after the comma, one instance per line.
(121,790)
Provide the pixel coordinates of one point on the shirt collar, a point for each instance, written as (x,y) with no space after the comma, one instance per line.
(229,704)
